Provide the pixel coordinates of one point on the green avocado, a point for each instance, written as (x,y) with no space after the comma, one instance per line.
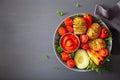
(81,59)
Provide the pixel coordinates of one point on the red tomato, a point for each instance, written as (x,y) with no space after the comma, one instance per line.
(69,28)
(104,33)
(65,56)
(103,52)
(83,38)
(62,30)
(88,19)
(70,63)
(85,46)
(68,21)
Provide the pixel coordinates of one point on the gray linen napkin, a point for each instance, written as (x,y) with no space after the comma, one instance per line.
(112,18)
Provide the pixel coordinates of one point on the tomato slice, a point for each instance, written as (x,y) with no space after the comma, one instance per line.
(88,19)
(103,52)
(70,63)
(65,56)
(104,33)
(83,38)
(85,46)
(68,21)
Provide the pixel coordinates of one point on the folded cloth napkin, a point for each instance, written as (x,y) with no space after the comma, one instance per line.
(112,18)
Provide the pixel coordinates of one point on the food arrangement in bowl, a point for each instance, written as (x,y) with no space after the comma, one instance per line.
(82,42)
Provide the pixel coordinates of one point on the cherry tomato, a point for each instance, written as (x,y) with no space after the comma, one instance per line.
(104,33)
(68,21)
(65,56)
(83,38)
(103,52)
(62,30)
(85,46)
(88,19)
(69,28)
(70,63)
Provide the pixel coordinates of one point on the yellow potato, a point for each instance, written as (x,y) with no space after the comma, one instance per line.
(93,31)
(79,25)
(97,44)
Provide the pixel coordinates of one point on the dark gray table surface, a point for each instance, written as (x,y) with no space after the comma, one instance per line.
(26,36)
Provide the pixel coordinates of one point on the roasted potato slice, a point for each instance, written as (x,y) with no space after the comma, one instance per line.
(79,25)
(93,31)
(97,44)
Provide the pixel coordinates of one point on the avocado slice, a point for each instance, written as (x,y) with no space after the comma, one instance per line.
(81,59)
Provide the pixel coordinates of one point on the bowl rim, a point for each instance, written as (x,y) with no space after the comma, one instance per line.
(57,55)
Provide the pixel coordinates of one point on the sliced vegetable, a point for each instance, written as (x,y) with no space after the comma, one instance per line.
(62,31)
(83,38)
(65,56)
(104,33)
(70,63)
(81,59)
(95,57)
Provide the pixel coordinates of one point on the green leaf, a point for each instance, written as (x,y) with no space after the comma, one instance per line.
(72,55)
(56,68)
(109,38)
(59,49)
(60,13)
(46,56)
(77,5)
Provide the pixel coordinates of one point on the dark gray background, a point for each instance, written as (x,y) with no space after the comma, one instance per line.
(26,36)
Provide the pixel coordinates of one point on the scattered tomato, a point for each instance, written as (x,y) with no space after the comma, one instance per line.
(85,46)
(88,19)
(65,56)
(68,21)
(69,28)
(83,38)
(70,63)
(62,30)
(103,52)
(104,33)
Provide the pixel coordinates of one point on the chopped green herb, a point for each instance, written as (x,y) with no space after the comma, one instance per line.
(72,55)
(60,13)
(46,56)
(80,24)
(56,68)
(95,20)
(77,5)
(107,59)
(93,67)
(59,49)
(109,38)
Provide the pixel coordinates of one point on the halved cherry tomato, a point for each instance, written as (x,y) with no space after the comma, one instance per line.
(65,56)
(85,46)
(69,28)
(103,52)
(104,33)
(68,21)
(83,38)
(88,19)
(70,63)
(62,30)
